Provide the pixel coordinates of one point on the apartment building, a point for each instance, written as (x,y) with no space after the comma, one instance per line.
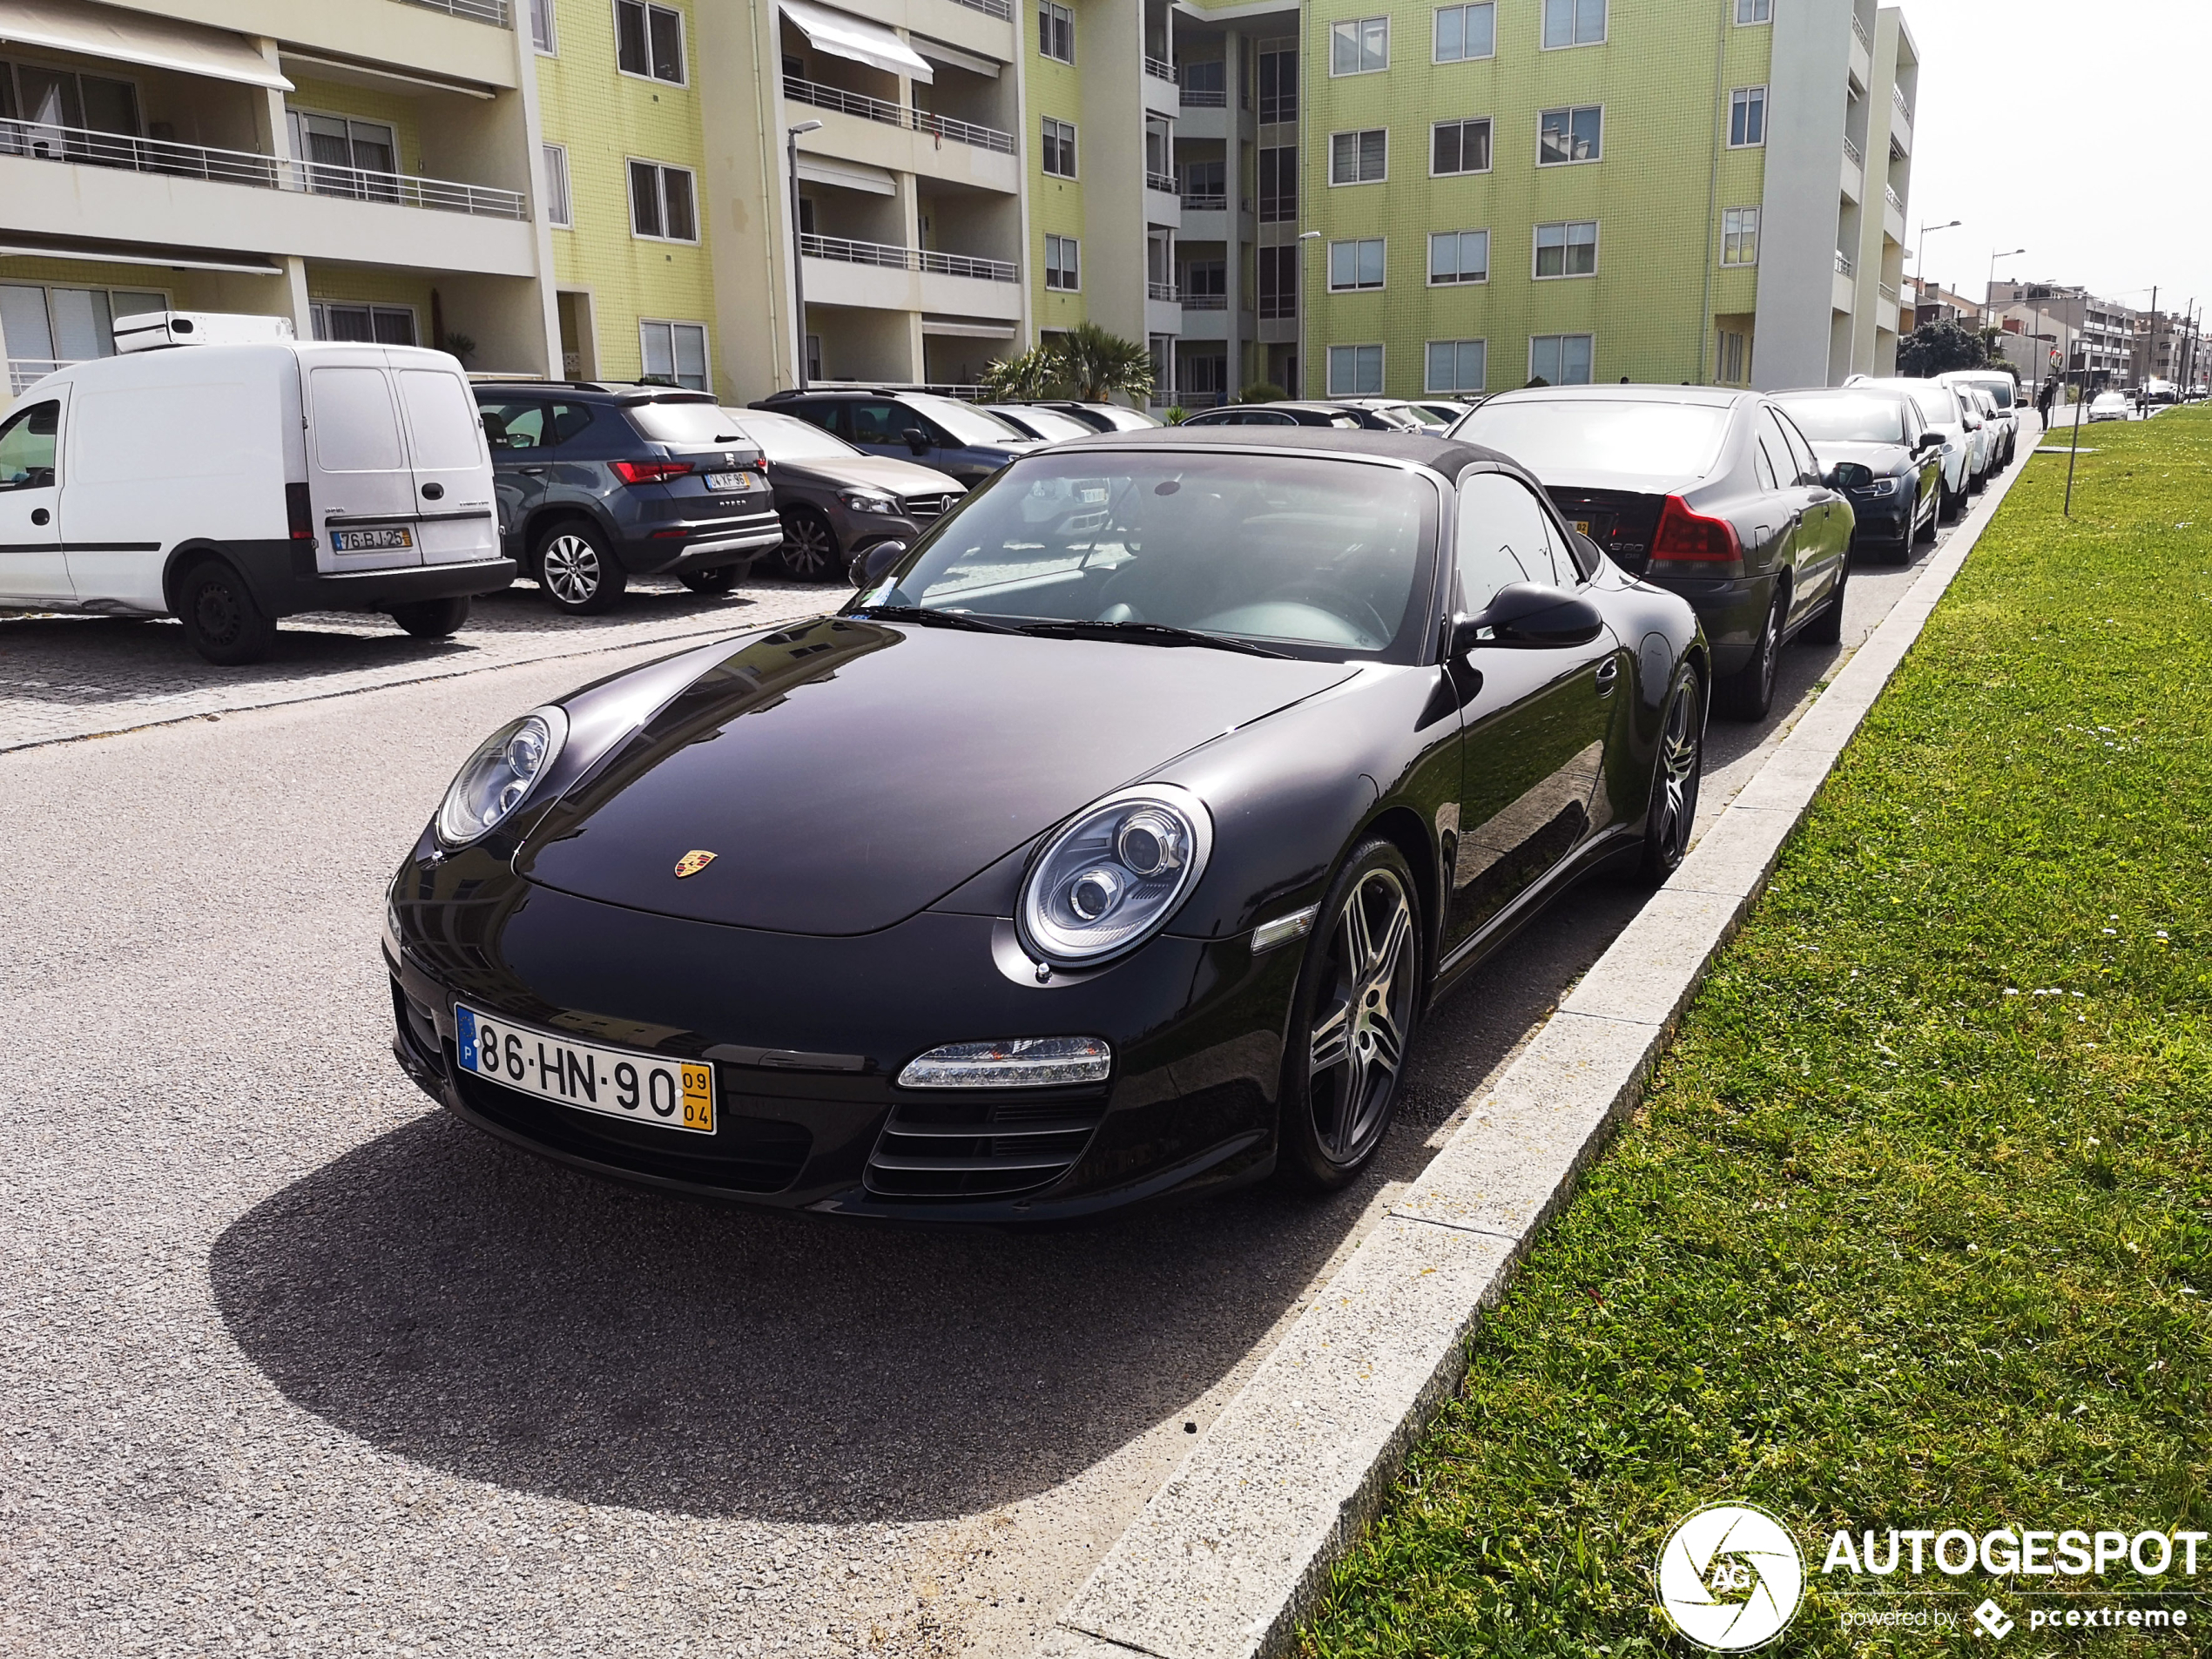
(2100,333)
(2165,348)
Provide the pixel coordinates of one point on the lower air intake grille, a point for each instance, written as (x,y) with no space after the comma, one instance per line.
(981,1148)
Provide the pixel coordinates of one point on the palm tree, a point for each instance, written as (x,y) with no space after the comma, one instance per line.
(1032,374)
(1095,364)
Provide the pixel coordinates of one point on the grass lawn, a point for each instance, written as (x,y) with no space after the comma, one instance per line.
(1914,1229)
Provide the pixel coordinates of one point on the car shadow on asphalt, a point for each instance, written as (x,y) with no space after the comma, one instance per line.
(459,1302)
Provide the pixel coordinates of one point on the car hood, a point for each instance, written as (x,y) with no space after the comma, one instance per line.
(846,773)
(1883,457)
(880,472)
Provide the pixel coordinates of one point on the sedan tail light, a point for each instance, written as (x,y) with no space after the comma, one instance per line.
(1692,537)
(649,472)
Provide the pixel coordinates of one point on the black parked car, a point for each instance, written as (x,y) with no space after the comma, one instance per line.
(1881,429)
(956,438)
(1712,493)
(1112,846)
(1282,415)
(836,500)
(599,483)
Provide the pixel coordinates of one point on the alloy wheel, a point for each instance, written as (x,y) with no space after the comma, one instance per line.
(569,566)
(810,548)
(1365,1015)
(1681,756)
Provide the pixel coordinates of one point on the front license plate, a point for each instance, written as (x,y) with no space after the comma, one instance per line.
(617,1082)
(724,481)
(379,541)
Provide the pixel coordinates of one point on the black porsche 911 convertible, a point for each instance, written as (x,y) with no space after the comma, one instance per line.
(1109,844)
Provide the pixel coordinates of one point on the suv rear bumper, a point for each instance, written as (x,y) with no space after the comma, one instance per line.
(701,543)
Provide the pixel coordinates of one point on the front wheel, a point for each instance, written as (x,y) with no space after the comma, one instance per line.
(1675,778)
(809,552)
(1353,1018)
(433,618)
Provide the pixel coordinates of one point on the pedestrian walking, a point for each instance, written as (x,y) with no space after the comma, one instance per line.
(2043,397)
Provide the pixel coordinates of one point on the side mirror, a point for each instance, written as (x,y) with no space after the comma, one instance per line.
(1928,441)
(1848,474)
(870,563)
(1528,615)
(917,440)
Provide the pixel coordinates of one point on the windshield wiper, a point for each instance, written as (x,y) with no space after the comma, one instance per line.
(1149,633)
(933,618)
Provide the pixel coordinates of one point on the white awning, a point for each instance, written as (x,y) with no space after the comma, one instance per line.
(136,38)
(845,36)
(109,256)
(846,175)
(952,56)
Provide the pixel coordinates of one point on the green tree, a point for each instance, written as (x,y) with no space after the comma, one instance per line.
(1095,364)
(1938,347)
(1034,374)
(1262,392)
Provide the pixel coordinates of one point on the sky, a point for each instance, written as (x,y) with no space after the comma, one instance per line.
(2043,126)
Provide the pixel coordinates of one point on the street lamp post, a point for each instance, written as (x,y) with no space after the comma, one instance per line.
(797,248)
(1921,262)
(1992,282)
(1304,368)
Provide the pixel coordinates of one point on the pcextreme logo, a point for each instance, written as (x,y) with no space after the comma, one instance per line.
(1731,1578)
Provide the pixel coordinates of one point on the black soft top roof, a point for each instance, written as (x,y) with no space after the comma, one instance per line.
(1442,455)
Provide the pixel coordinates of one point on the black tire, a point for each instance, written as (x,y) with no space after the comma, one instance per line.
(434,618)
(1827,628)
(1353,1020)
(721,579)
(223,621)
(1948,506)
(1677,773)
(1749,693)
(1922,532)
(810,552)
(578,569)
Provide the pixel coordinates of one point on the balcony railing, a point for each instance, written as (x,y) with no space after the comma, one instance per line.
(1205,302)
(1160,290)
(1860,29)
(905,258)
(1888,293)
(1164,182)
(1853,154)
(491,11)
(164,156)
(1844,267)
(1202,98)
(895,115)
(23,371)
(1001,8)
(1158,68)
(1204,201)
(1890,195)
(1897,97)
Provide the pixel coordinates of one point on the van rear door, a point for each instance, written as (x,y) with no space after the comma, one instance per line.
(452,469)
(360,478)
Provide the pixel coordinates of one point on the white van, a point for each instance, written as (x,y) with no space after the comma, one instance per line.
(231,483)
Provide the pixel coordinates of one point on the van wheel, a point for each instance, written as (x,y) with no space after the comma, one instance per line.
(433,618)
(222,619)
(578,570)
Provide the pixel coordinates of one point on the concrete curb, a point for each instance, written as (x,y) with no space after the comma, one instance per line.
(1232,1552)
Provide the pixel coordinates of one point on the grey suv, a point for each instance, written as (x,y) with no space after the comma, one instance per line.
(596,484)
(956,438)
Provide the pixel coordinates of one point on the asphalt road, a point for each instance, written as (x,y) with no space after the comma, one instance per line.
(293,1362)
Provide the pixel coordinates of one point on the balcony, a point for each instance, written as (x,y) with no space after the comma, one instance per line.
(1844,287)
(1901,122)
(1159,69)
(1166,291)
(1202,97)
(1160,94)
(1002,10)
(1844,267)
(1211,201)
(894,115)
(841,272)
(884,254)
(491,11)
(1893,215)
(1202,302)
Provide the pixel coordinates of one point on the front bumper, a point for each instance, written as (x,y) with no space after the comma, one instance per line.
(807,1035)
(1883,520)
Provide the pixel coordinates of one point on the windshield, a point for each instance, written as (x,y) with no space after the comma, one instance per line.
(785,437)
(1850,420)
(967,423)
(690,422)
(1049,424)
(1317,557)
(1556,436)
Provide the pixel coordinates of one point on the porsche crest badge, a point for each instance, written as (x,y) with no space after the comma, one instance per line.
(692,863)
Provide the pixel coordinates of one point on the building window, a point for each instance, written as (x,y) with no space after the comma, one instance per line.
(542,26)
(46,328)
(660,203)
(1735,358)
(672,353)
(1359,47)
(1568,250)
(1278,281)
(1059,148)
(362,325)
(1056,32)
(1060,268)
(1755,10)
(1465,32)
(649,41)
(1279,185)
(1204,184)
(1746,117)
(1460,146)
(1359,157)
(345,158)
(1356,264)
(1560,360)
(1205,282)
(1279,85)
(557,184)
(1458,365)
(1355,371)
(1574,23)
(1570,135)
(1740,236)
(1459,256)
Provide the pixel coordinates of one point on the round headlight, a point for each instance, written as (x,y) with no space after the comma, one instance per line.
(1112,876)
(499,777)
